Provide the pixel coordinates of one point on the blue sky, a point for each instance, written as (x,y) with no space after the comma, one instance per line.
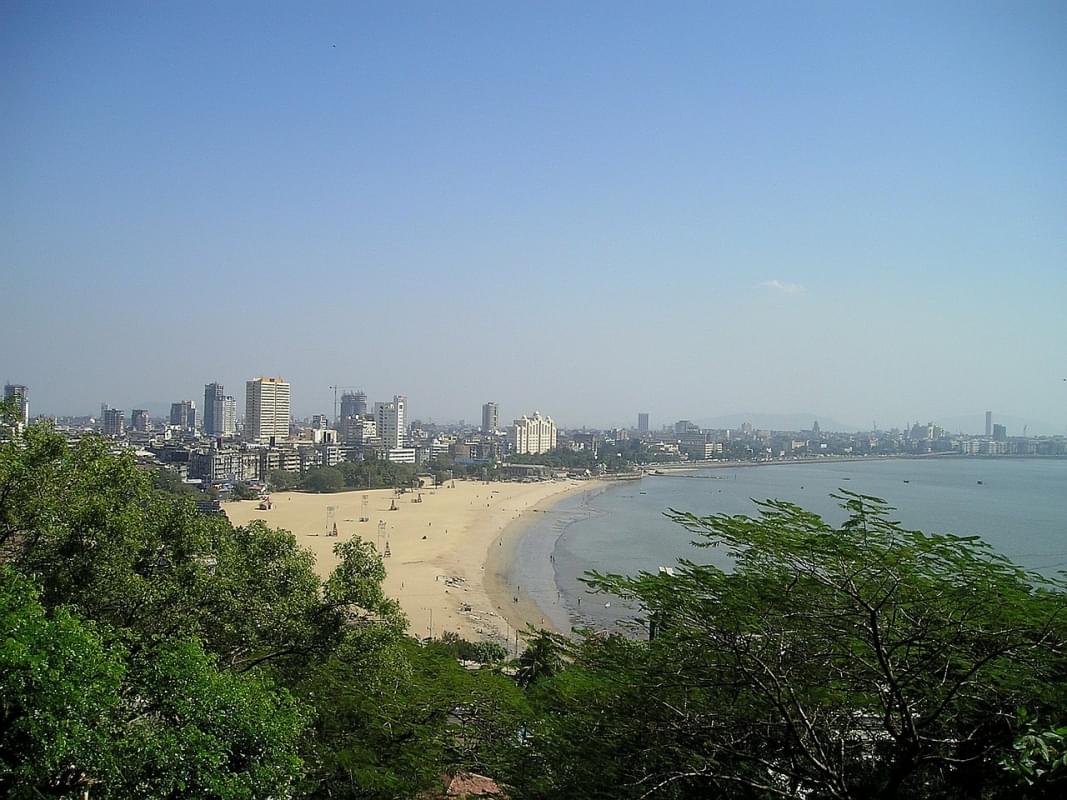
(589,209)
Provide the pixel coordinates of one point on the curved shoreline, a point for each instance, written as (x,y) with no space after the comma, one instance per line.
(515,603)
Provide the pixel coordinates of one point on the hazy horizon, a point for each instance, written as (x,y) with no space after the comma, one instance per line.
(857,213)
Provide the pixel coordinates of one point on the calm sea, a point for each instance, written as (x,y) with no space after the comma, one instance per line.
(1019,506)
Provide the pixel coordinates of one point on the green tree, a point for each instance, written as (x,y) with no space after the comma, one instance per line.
(323,479)
(59,685)
(242,491)
(864,660)
(393,715)
(191,730)
(79,716)
(281,480)
(542,658)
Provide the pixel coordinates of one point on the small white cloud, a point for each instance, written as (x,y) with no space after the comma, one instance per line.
(782,286)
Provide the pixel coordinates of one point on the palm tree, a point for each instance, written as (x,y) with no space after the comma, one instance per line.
(542,658)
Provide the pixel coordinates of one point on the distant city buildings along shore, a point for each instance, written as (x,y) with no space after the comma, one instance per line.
(219,449)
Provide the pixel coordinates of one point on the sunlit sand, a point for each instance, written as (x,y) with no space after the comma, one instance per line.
(437,549)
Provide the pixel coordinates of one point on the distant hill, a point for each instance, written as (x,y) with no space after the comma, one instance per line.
(776,422)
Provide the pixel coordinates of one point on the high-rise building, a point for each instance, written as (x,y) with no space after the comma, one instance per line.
(989,423)
(229,416)
(490,419)
(320,422)
(220,411)
(391,421)
(642,422)
(1000,433)
(21,396)
(536,434)
(114,423)
(183,415)
(266,410)
(139,420)
(353,404)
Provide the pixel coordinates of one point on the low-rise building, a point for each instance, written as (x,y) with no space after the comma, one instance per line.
(400,455)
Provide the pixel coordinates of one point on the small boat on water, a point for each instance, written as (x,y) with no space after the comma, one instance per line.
(979,483)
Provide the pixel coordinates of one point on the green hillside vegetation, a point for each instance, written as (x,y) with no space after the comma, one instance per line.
(148,651)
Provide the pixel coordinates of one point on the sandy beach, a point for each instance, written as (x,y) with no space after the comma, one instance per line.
(448,555)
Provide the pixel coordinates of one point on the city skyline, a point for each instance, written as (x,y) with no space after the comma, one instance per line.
(356,401)
(855,212)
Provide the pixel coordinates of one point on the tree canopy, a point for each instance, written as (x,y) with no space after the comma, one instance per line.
(147,650)
(857,661)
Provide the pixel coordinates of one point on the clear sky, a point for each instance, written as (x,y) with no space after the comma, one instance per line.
(590,209)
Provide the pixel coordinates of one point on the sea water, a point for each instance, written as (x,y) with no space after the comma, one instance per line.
(1018,506)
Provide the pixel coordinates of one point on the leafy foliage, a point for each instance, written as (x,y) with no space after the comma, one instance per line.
(859,661)
(80,715)
(58,686)
(484,652)
(347,475)
(393,715)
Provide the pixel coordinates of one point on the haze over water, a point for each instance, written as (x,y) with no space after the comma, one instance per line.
(1020,509)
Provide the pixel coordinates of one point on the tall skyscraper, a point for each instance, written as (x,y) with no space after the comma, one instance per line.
(989,423)
(114,422)
(534,434)
(642,422)
(212,392)
(489,418)
(391,421)
(220,411)
(183,415)
(21,396)
(139,420)
(266,410)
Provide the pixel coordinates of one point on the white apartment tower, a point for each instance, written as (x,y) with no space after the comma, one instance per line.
(391,421)
(266,410)
(534,434)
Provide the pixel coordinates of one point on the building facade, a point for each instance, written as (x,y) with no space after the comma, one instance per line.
(353,404)
(114,422)
(225,465)
(390,418)
(490,420)
(267,410)
(139,420)
(642,422)
(220,411)
(536,434)
(183,415)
